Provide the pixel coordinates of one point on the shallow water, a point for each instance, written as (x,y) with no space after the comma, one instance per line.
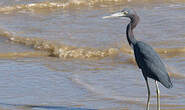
(58,54)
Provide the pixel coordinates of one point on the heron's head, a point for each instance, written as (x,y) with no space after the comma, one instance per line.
(126,12)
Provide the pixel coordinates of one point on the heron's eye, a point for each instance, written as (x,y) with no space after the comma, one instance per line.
(125,12)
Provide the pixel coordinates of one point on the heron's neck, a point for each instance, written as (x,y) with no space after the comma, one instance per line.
(130,36)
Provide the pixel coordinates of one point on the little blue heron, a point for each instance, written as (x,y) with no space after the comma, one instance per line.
(147,59)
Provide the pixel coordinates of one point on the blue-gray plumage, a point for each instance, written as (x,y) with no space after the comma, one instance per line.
(147,59)
(150,63)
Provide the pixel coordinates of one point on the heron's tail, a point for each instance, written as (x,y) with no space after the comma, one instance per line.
(165,81)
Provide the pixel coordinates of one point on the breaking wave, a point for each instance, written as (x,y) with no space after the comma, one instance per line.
(69,4)
(60,50)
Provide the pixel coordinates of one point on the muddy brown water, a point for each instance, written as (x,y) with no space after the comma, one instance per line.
(61,54)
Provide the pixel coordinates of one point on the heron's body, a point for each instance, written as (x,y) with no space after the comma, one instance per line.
(147,59)
(150,63)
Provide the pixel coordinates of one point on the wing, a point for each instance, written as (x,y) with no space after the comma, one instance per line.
(149,61)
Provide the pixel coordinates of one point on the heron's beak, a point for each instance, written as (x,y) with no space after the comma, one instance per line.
(119,14)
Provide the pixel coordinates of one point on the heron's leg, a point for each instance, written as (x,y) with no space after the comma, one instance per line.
(158,95)
(148,88)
